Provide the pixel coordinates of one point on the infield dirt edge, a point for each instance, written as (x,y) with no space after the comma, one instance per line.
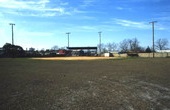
(76,58)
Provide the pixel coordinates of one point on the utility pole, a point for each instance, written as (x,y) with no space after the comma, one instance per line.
(12,24)
(100,42)
(68,33)
(153,34)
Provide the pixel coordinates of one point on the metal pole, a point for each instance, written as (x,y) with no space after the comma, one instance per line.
(153,40)
(153,36)
(12,24)
(68,37)
(100,41)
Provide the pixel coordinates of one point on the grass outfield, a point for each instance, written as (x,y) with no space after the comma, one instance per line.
(120,84)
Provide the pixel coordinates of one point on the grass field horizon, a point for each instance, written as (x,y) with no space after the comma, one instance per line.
(77,58)
(127,84)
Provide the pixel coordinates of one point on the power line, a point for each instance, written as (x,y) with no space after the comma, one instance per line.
(12,24)
(153,34)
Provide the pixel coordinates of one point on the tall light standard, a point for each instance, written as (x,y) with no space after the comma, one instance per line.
(68,33)
(12,24)
(100,42)
(153,34)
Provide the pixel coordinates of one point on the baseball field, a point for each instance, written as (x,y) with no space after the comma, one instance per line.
(77,83)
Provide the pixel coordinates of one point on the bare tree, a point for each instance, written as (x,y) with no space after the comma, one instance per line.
(103,48)
(55,47)
(162,44)
(111,46)
(124,45)
(134,44)
(130,45)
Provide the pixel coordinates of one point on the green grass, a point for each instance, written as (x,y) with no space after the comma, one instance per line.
(138,83)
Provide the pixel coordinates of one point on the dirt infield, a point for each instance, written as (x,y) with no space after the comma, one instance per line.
(126,84)
(76,58)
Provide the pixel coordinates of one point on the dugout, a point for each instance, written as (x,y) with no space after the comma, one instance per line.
(83,51)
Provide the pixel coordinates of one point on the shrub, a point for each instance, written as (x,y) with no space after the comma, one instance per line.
(132,54)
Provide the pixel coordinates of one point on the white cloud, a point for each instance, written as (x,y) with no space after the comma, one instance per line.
(119,8)
(87,3)
(133,24)
(22,32)
(41,8)
(32,8)
(5,36)
(75,10)
(64,3)
(28,39)
(164,18)
(141,0)
(138,25)
(91,28)
(123,8)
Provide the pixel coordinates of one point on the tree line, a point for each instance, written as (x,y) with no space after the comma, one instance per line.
(125,46)
(13,51)
(133,45)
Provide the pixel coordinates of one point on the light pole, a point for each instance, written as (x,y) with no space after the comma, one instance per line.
(68,33)
(100,42)
(153,34)
(12,24)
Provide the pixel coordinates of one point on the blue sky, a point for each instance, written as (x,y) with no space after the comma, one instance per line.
(44,23)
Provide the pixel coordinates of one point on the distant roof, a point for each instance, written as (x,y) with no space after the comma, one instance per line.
(81,48)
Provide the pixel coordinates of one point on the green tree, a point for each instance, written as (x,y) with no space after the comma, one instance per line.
(148,50)
(13,50)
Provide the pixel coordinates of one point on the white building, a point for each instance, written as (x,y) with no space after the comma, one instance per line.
(163,51)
